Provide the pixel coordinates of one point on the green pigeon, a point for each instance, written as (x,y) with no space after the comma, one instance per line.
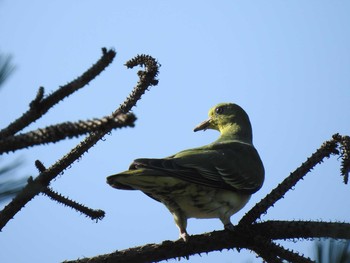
(212,181)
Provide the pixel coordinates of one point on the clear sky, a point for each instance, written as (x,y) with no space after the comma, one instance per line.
(286,63)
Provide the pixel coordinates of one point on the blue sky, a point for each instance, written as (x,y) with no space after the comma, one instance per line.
(285,62)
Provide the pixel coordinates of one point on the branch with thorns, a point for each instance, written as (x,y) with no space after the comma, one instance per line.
(39,106)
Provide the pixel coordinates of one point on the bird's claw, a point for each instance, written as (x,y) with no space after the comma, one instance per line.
(184,236)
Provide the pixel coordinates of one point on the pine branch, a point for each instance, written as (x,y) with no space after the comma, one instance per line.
(41,182)
(218,240)
(64,130)
(39,106)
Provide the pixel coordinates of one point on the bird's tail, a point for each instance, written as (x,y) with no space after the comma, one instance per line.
(139,179)
(115,181)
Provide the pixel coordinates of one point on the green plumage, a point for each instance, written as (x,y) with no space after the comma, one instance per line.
(213,181)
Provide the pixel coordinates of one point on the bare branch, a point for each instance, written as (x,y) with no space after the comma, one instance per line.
(218,240)
(64,130)
(39,106)
(41,182)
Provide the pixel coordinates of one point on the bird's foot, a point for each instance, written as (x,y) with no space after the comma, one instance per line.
(184,236)
(229,226)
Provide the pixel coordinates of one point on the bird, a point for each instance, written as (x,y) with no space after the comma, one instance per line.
(212,181)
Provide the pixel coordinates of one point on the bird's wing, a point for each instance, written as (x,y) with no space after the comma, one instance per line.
(233,166)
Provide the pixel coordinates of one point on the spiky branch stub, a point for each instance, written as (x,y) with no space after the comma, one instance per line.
(248,233)
(42,181)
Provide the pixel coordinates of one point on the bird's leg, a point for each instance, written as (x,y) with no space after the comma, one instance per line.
(184,235)
(181,222)
(227,223)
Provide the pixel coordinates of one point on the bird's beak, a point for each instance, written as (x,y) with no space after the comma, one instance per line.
(202,126)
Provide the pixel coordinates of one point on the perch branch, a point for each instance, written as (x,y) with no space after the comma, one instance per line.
(40,105)
(219,240)
(62,131)
(42,181)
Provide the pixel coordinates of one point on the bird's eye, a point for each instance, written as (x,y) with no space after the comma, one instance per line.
(219,110)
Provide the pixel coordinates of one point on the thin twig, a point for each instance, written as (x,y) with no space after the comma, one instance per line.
(55,133)
(44,178)
(39,106)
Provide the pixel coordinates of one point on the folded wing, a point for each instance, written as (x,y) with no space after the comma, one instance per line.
(233,166)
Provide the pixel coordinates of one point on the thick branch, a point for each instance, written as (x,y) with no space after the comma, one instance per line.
(219,240)
(64,130)
(39,106)
(41,182)
(302,229)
